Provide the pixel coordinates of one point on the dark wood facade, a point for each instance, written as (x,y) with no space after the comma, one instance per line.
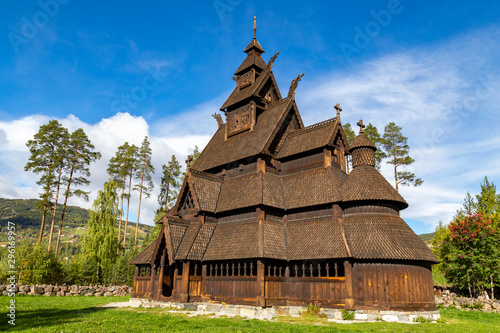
(269,216)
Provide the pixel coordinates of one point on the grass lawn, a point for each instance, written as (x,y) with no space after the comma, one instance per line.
(85,314)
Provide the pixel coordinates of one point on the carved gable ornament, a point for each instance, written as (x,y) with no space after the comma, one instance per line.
(245,79)
(239,120)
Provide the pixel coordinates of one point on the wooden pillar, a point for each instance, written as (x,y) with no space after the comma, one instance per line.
(185,282)
(203,281)
(136,274)
(286,284)
(175,293)
(260,299)
(349,286)
(152,281)
(160,279)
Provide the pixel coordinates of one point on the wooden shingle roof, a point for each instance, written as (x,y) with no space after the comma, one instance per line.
(384,236)
(146,255)
(207,188)
(317,238)
(234,240)
(312,187)
(312,137)
(366,183)
(220,152)
(362,141)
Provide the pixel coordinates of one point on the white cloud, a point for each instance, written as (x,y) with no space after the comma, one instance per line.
(106,135)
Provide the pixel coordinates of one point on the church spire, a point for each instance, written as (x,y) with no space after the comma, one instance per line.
(254,27)
(254,44)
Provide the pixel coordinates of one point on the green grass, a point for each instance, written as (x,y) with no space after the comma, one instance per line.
(86,314)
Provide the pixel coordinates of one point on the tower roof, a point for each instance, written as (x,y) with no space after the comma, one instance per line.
(362,141)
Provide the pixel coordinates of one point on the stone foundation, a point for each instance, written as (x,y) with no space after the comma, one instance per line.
(254,312)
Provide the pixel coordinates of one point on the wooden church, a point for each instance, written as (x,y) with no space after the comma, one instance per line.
(269,216)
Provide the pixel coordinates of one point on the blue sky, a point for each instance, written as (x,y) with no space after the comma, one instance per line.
(123,70)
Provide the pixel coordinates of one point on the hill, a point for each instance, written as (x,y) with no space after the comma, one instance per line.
(27,219)
(427,238)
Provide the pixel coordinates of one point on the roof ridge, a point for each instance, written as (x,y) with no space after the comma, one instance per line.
(313,126)
(273,104)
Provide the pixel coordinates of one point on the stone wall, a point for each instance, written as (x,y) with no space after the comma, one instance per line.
(447,299)
(74,290)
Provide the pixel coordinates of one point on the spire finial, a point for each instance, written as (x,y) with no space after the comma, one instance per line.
(254,26)
(339,109)
(361,126)
(188,162)
(293,86)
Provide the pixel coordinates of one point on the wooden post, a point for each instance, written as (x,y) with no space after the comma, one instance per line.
(286,284)
(260,299)
(203,281)
(349,284)
(160,280)
(152,281)
(185,282)
(175,294)
(136,274)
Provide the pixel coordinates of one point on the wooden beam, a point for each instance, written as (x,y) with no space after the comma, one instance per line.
(260,299)
(203,281)
(152,281)
(136,274)
(185,282)
(349,284)
(162,270)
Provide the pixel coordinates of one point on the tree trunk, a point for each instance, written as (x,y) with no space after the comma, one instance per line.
(139,209)
(126,218)
(63,210)
(395,166)
(121,212)
(43,222)
(55,209)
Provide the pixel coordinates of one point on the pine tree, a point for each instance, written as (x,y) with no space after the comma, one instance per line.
(79,155)
(350,135)
(43,160)
(59,158)
(116,170)
(144,171)
(101,241)
(129,168)
(196,153)
(169,185)
(372,133)
(397,150)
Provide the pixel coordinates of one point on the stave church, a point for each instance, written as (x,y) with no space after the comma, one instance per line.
(270,215)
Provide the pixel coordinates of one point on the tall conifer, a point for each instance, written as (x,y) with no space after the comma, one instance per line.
(169,185)
(43,160)
(79,155)
(144,172)
(397,150)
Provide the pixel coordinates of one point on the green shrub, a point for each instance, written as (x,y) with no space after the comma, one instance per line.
(475,306)
(347,315)
(38,266)
(313,310)
(420,319)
